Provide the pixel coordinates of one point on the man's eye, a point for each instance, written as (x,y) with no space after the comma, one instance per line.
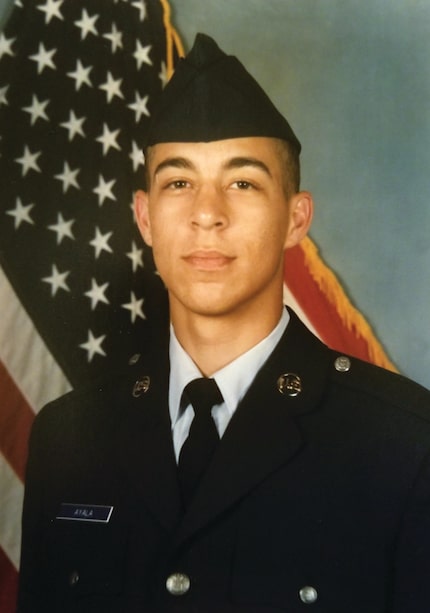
(179,184)
(244,185)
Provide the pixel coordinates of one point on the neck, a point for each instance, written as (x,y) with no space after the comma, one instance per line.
(214,342)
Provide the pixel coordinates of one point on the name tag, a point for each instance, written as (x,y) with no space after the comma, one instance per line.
(85,512)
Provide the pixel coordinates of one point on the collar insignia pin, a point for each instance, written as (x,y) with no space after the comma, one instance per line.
(290,384)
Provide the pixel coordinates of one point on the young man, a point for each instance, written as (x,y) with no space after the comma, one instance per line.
(304,484)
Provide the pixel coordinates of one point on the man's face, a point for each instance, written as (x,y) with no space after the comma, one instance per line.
(218,221)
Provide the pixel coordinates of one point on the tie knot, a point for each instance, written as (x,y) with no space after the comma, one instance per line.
(203,394)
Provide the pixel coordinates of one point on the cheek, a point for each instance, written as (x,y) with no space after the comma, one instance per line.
(160,253)
(164,248)
(268,238)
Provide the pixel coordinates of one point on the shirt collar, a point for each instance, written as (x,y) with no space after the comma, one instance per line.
(233,380)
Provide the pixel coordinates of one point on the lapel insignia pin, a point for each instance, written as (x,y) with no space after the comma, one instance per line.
(290,384)
(141,386)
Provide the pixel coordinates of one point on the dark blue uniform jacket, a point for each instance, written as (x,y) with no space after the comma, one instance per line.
(318,497)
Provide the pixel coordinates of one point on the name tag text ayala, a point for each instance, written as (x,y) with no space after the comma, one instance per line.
(85,512)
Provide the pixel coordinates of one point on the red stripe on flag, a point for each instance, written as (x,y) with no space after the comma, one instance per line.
(324,317)
(8,584)
(16,418)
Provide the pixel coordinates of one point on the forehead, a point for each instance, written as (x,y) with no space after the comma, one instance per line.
(217,153)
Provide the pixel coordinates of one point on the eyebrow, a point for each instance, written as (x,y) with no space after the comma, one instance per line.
(174,162)
(233,163)
(242,162)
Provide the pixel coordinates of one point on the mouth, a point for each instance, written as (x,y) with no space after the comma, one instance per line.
(208,260)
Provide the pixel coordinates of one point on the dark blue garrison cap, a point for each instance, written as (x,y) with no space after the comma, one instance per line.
(211,96)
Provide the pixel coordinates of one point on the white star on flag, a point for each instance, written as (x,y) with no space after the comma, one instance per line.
(136,256)
(87,24)
(57,280)
(112,87)
(3,91)
(93,345)
(137,156)
(29,161)
(97,293)
(163,75)
(62,228)
(43,58)
(141,7)
(135,307)
(6,45)
(141,55)
(104,190)
(139,106)
(51,8)
(68,177)
(37,110)
(74,125)
(81,75)
(115,37)
(21,213)
(108,139)
(100,242)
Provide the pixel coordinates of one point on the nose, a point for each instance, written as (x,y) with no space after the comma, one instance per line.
(209,210)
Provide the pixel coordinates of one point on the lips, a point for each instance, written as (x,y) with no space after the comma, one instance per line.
(208,260)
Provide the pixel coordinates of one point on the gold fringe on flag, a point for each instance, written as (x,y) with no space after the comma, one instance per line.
(173,41)
(349,315)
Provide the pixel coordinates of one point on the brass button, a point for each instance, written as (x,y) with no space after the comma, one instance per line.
(141,386)
(74,578)
(342,363)
(178,584)
(308,594)
(290,384)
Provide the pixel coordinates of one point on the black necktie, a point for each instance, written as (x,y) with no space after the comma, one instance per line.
(203,438)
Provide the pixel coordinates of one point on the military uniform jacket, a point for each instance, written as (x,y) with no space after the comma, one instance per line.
(317,499)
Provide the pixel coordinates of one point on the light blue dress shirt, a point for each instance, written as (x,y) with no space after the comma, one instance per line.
(233,381)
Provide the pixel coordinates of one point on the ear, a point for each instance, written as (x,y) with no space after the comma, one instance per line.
(142,215)
(301,210)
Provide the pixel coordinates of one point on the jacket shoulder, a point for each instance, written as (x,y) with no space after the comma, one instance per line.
(381,385)
(105,398)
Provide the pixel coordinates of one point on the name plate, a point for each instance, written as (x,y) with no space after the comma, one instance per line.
(85,512)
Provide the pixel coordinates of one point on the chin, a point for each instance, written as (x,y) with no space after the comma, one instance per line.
(206,306)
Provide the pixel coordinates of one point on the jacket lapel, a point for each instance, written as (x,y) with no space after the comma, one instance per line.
(263,434)
(145,443)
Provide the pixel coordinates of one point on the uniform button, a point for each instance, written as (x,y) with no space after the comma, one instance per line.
(178,584)
(308,594)
(342,363)
(74,578)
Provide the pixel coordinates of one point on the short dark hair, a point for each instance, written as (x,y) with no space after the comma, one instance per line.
(290,159)
(146,175)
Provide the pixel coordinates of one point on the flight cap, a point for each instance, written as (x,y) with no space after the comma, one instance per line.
(210,97)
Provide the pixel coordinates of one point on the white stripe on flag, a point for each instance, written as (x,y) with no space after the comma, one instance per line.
(11,496)
(25,354)
(290,300)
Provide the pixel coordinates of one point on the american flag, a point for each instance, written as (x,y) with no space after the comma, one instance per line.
(78,290)
(78,81)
